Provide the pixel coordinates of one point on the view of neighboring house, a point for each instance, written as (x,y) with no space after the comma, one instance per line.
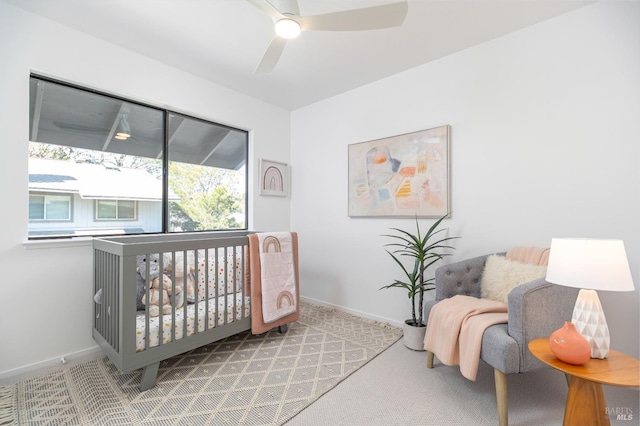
(67,198)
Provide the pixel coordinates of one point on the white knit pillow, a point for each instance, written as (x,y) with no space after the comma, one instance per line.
(501,275)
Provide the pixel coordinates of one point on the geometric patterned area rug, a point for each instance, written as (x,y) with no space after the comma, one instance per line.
(241,380)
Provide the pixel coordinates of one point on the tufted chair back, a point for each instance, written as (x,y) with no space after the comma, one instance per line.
(452,280)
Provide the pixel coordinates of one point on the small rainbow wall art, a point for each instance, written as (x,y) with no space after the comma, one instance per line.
(273,178)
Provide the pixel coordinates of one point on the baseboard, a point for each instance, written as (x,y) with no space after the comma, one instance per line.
(353,311)
(50,365)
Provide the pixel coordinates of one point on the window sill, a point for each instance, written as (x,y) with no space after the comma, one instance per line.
(57,243)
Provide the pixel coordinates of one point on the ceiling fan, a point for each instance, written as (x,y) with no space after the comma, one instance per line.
(289,23)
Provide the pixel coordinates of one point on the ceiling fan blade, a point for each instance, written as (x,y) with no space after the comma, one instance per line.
(79,127)
(271,56)
(369,18)
(267,8)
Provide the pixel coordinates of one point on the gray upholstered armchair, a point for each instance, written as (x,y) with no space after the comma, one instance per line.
(536,309)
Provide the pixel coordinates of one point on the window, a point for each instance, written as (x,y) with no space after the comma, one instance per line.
(128,167)
(207,179)
(49,207)
(115,209)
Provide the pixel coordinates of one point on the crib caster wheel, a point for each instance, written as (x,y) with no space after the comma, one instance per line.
(283,329)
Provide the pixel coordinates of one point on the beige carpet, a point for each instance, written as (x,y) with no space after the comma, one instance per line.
(397,389)
(245,379)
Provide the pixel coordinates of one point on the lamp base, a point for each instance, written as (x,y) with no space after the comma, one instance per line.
(589,320)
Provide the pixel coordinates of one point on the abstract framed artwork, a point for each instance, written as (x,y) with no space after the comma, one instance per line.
(405,175)
(273,178)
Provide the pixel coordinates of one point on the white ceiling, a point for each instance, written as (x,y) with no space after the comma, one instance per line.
(223,40)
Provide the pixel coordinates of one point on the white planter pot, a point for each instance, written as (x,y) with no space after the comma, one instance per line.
(413,337)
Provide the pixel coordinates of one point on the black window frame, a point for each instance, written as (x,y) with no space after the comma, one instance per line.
(166,112)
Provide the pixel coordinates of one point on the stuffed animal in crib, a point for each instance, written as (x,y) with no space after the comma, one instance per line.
(178,271)
(141,278)
(171,296)
(191,287)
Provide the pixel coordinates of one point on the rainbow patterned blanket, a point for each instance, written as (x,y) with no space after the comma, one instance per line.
(277,275)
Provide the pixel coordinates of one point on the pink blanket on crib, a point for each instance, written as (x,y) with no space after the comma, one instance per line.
(278,280)
(259,324)
(455,328)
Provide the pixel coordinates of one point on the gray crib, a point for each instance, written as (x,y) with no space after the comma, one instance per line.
(134,339)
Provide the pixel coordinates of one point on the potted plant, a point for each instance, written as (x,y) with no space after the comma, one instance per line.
(424,251)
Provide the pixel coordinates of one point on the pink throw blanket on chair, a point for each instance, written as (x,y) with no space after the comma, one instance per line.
(455,328)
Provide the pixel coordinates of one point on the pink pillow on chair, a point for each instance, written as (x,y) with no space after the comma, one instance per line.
(530,255)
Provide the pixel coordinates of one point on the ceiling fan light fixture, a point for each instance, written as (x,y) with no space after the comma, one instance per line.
(287,28)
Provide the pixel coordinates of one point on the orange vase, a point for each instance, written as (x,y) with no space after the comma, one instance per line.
(568,345)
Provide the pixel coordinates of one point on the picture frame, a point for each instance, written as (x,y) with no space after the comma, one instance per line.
(274,178)
(406,175)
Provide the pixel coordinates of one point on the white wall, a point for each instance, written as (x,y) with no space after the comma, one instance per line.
(45,308)
(545,143)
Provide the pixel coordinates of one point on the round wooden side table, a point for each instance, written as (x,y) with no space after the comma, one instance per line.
(586,404)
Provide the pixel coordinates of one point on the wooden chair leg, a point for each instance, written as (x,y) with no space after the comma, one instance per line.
(429,359)
(501,397)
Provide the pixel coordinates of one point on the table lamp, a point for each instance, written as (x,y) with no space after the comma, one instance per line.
(590,264)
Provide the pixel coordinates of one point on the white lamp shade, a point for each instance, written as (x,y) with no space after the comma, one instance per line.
(596,264)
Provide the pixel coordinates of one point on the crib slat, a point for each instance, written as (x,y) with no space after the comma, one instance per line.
(185,280)
(113,306)
(206,289)
(196,308)
(235,285)
(161,300)
(245,289)
(225,280)
(146,309)
(97,286)
(216,277)
(173,291)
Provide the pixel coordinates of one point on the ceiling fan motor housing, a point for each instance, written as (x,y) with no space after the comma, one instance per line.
(289,7)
